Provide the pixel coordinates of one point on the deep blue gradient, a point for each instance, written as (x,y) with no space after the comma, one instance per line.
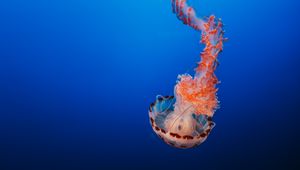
(77,78)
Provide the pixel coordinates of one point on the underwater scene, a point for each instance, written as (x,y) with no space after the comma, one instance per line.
(151,84)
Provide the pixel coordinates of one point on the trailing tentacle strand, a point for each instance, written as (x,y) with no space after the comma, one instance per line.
(200,90)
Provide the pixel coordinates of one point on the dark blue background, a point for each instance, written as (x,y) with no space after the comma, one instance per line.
(77,77)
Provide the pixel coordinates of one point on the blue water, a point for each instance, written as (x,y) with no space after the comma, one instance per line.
(77,78)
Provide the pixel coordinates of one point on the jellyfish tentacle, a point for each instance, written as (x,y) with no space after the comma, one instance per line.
(200,89)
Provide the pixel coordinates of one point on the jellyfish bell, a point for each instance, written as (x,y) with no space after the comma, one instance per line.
(176,123)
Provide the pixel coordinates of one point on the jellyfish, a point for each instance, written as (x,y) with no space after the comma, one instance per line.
(185,119)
